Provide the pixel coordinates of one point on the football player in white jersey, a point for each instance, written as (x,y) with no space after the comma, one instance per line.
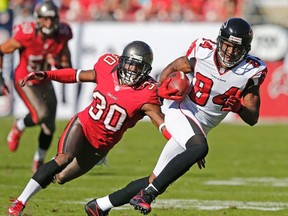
(224,79)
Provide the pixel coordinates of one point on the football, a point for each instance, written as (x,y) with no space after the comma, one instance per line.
(179,81)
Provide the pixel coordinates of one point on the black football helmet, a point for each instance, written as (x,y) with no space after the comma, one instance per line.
(135,63)
(238,32)
(47,9)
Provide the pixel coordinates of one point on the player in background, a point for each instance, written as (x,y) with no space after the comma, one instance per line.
(225,79)
(124,94)
(41,45)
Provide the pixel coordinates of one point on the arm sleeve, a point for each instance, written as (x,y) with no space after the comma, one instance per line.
(67,75)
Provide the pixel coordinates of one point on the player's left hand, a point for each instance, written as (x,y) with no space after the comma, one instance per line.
(201,163)
(233,103)
(39,75)
(3,87)
(53,62)
(164,92)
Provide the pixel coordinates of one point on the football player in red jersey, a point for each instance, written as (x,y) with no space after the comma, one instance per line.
(225,79)
(124,94)
(41,45)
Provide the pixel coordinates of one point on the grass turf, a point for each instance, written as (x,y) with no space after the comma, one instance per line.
(245,165)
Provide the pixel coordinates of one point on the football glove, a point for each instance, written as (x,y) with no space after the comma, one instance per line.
(201,163)
(39,75)
(233,103)
(3,88)
(166,93)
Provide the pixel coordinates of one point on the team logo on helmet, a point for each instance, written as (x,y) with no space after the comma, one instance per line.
(236,40)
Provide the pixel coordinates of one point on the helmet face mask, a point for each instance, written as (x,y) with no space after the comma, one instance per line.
(230,54)
(234,41)
(44,11)
(135,63)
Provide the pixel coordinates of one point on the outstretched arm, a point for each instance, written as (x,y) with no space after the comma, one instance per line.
(157,117)
(67,75)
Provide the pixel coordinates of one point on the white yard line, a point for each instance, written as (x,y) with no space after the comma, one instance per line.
(223,204)
(263,181)
(207,204)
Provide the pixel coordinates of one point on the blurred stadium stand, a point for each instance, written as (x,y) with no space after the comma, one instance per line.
(255,11)
(108,20)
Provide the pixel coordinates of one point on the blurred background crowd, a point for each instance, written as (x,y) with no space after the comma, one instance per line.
(101,26)
(256,11)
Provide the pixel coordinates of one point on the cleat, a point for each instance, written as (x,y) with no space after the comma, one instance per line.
(36,164)
(16,208)
(13,138)
(92,209)
(142,200)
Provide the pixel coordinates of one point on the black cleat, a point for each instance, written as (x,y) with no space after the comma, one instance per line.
(142,200)
(92,209)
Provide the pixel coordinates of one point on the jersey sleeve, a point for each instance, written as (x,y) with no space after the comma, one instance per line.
(151,91)
(191,52)
(201,48)
(24,33)
(106,64)
(154,99)
(261,71)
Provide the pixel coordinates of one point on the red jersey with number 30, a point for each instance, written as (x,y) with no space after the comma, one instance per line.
(35,49)
(115,107)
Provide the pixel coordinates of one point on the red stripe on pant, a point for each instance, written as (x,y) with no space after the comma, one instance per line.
(27,102)
(62,141)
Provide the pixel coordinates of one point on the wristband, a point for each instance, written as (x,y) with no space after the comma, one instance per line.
(161,126)
(77,75)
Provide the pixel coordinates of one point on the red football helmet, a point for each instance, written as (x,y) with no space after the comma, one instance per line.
(135,63)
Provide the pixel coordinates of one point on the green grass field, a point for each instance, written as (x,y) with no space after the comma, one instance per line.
(245,174)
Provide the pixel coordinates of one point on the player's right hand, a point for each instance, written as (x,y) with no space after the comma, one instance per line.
(39,75)
(166,93)
(3,87)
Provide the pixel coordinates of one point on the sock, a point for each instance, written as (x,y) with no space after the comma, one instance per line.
(20,124)
(123,196)
(31,188)
(40,154)
(104,203)
(45,174)
(44,140)
(151,185)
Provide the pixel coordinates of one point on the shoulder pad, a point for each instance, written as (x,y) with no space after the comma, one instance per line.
(24,31)
(65,31)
